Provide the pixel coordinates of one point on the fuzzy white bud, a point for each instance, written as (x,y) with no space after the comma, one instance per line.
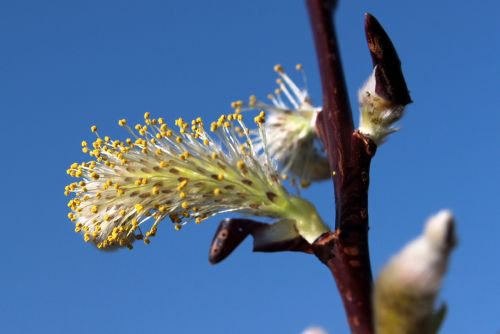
(407,287)
(377,114)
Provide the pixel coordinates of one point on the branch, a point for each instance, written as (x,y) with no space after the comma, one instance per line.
(334,123)
(345,252)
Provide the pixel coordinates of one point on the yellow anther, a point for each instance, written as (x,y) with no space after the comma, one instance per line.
(252,100)
(213,126)
(217,191)
(122,122)
(304,183)
(139,208)
(84,143)
(185,205)
(182,185)
(182,195)
(278,68)
(214,156)
(86,237)
(237,104)
(93,209)
(178,227)
(220,177)
(163,164)
(178,139)
(298,67)
(261,118)
(240,164)
(93,128)
(147,114)
(155,190)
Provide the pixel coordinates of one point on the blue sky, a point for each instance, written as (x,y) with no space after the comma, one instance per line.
(66,65)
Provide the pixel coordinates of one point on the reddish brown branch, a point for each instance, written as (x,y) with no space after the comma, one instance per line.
(334,123)
(345,252)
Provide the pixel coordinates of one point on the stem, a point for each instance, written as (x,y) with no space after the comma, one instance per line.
(345,252)
(334,123)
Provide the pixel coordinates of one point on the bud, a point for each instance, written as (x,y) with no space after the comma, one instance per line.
(385,94)
(406,289)
(377,113)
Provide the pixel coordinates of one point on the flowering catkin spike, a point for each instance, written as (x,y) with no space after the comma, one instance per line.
(290,129)
(178,172)
(406,289)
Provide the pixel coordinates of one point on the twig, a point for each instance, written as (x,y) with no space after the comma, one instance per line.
(345,252)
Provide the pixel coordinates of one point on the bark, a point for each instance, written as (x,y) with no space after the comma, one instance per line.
(345,251)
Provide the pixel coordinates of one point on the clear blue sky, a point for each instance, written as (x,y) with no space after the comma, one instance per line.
(65,65)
